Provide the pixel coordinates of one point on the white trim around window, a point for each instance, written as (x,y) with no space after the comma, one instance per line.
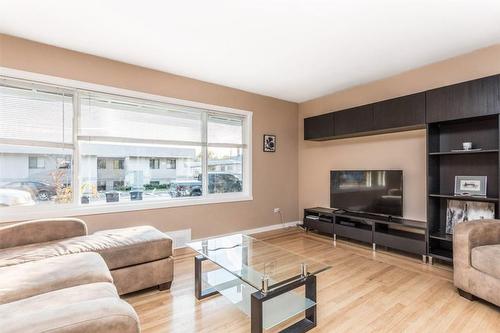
(10,214)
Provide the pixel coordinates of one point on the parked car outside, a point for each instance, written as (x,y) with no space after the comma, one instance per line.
(39,191)
(185,188)
(218,182)
(11,197)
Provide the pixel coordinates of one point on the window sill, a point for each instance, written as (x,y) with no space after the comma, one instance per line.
(13,214)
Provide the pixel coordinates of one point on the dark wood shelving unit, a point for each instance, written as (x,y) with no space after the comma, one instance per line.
(483,151)
(463,197)
(441,236)
(443,165)
(463,112)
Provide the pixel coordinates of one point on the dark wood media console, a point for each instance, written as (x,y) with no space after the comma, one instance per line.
(396,233)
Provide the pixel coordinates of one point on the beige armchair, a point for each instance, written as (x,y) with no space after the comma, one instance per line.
(476,260)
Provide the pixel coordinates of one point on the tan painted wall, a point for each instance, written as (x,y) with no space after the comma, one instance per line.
(404,151)
(275,175)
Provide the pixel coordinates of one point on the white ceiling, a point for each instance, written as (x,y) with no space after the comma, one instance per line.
(290,49)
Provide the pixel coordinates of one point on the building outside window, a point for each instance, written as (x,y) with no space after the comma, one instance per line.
(118,184)
(101,163)
(163,151)
(171,163)
(36,162)
(119,164)
(154,163)
(101,185)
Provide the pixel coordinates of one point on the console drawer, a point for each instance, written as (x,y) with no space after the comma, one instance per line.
(416,246)
(326,227)
(360,234)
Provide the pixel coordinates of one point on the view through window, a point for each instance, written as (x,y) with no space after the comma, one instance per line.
(122,150)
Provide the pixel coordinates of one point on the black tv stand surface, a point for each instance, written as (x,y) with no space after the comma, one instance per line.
(389,231)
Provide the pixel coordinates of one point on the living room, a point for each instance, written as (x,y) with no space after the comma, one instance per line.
(243,166)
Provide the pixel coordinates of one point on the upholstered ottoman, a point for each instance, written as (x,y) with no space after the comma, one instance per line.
(138,257)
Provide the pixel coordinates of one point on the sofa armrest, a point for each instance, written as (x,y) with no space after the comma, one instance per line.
(39,231)
(469,235)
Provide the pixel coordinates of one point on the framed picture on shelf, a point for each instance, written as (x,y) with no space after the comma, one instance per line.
(470,185)
(459,211)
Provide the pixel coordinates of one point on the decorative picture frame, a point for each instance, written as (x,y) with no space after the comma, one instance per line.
(470,185)
(269,143)
(458,211)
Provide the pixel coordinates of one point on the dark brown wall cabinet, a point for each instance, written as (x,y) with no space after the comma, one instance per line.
(353,121)
(459,101)
(319,127)
(402,112)
(464,100)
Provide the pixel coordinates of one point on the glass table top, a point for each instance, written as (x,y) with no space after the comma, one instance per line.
(253,260)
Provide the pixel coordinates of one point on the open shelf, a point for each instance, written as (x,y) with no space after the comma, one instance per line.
(441,236)
(275,310)
(442,254)
(443,165)
(463,197)
(384,229)
(484,151)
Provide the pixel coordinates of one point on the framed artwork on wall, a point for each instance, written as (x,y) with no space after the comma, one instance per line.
(269,144)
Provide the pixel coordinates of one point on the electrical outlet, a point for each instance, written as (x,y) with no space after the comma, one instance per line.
(276,210)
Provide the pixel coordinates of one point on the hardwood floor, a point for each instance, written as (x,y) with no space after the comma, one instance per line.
(362,292)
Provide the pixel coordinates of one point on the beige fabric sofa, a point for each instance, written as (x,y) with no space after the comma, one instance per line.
(54,277)
(138,257)
(71,293)
(476,259)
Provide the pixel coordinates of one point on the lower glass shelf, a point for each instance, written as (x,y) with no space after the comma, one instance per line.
(275,310)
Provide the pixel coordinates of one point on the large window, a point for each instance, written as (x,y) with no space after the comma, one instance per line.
(119,150)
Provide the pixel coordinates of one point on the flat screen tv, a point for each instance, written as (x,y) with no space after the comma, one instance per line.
(367,191)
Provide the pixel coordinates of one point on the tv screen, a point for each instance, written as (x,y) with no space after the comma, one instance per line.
(367,191)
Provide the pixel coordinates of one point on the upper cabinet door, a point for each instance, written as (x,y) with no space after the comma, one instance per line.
(406,111)
(319,127)
(464,100)
(354,121)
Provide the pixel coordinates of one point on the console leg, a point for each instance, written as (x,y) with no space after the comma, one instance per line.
(334,240)
(424,258)
(374,247)
(430,260)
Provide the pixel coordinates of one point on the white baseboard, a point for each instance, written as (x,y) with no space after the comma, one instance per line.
(246,232)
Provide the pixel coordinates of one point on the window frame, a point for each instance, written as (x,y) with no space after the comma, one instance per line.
(76,208)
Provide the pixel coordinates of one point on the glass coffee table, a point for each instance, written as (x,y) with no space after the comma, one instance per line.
(260,279)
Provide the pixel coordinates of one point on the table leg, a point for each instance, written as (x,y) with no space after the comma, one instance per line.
(198,292)
(310,318)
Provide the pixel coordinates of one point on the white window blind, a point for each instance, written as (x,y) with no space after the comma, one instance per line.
(29,114)
(104,118)
(225,130)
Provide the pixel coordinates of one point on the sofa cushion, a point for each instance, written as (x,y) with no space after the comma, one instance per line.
(486,259)
(119,247)
(92,307)
(38,277)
